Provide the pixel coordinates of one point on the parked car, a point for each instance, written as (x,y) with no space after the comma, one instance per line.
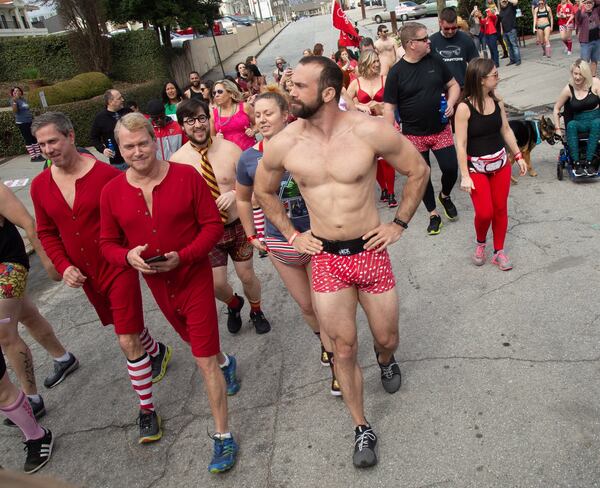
(431,6)
(240,20)
(177,40)
(404,11)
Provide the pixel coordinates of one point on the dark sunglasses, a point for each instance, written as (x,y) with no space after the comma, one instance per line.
(218,92)
(421,39)
(192,120)
(450,28)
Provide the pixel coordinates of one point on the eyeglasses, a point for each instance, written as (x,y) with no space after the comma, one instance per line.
(218,92)
(192,120)
(202,88)
(493,75)
(421,39)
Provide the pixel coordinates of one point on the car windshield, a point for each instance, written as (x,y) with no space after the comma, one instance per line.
(409,4)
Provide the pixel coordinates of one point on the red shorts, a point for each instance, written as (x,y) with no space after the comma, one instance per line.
(187,299)
(285,253)
(119,302)
(369,271)
(433,141)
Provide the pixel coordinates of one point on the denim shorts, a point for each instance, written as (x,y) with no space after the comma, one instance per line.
(590,51)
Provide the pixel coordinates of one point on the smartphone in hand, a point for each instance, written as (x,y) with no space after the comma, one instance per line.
(156,259)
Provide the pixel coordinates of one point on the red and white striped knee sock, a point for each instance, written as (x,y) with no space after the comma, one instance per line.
(140,374)
(148,342)
(36,148)
(259,222)
(30,150)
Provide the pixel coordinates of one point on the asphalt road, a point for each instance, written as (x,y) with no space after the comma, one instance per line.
(500,369)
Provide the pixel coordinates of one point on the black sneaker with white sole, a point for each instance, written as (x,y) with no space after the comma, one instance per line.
(234,318)
(391,379)
(365,445)
(38,452)
(39,410)
(61,371)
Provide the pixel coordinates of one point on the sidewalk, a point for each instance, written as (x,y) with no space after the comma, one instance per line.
(254,48)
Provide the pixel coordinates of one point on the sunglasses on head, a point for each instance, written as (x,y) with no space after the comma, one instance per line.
(218,92)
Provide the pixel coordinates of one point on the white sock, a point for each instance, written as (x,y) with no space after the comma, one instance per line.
(64,358)
(225,435)
(35,398)
(226,363)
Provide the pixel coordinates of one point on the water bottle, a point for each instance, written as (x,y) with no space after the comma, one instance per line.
(110,145)
(443,107)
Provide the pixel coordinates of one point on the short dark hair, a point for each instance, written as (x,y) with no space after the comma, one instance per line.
(193,73)
(448,14)
(318,49)
(331,74)
(249,59)
(381,27)
(108,96)
(366,42)
(189,108)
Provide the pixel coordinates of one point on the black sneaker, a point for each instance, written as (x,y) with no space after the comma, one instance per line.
(391,379)
(325,360)
(150,426)
(160,362)
(392,203)
(384,196)
(590,169)
(578,169)
(261,324)
(435,224)
(365,444)
(449,208)
(38,159)
(234,319)
(61,371)
(39,410)
(38,452)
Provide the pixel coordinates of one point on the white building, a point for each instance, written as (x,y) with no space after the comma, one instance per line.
(14,20)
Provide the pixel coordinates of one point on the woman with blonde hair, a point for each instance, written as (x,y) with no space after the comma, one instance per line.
(582,94)
(232,118)
(366,92)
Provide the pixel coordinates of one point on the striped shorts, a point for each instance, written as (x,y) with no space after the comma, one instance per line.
(285,253)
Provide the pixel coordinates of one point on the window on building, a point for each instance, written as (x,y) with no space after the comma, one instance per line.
(15,23)
(25,23)
(3,23)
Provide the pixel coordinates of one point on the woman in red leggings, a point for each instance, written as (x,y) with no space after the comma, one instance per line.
(482,132)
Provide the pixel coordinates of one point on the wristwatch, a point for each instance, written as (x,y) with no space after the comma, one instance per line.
(401,223)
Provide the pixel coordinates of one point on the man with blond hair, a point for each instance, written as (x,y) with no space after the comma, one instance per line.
(160,219)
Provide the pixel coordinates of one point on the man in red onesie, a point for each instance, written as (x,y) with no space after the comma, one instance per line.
(161,219)
(66,198)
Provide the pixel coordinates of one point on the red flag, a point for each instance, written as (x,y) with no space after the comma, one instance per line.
(341,22)
(347,40)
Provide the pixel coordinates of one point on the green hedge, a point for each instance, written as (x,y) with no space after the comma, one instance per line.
(137,56)
(80,87)
(49,54)
(81,113)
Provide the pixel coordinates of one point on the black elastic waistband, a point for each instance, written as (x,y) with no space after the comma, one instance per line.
(343,248)
(231,224)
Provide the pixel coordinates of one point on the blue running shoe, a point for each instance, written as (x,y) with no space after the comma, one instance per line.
(233,385)
(225,452)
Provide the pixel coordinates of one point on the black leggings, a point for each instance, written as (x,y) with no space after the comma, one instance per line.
(446,158)
(2,364)
(26,132)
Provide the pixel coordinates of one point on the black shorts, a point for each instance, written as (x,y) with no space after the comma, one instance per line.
(2,364)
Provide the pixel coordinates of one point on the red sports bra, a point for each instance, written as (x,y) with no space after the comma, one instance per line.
(363,97)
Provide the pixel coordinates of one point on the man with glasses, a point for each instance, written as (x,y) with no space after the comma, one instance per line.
(453,46)
(386,47)
(103,128)
(415,86)
(220,157)
(195,89)
(169,136)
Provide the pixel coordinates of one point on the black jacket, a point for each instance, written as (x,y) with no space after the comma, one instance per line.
(103,129)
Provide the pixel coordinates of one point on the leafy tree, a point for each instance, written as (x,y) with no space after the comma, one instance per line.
(86,18)
(164,15)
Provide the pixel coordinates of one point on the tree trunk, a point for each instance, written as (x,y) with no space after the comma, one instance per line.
(441,5)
